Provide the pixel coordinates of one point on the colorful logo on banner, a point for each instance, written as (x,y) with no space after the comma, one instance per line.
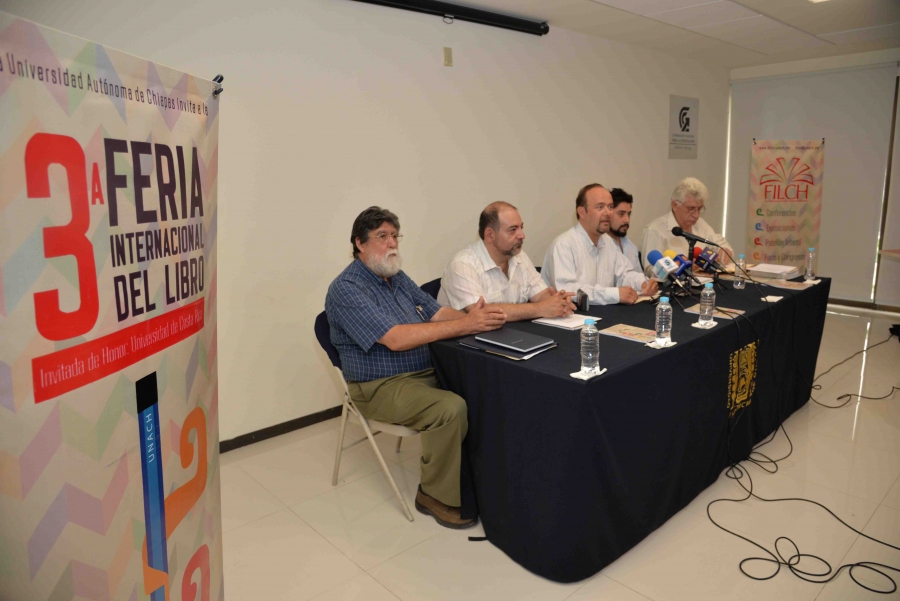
(785,205)
(109,473)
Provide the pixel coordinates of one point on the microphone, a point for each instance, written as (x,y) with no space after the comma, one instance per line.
(663,267)
(683,265)
(671,254)
(697,252)
(677,231)
(707,261)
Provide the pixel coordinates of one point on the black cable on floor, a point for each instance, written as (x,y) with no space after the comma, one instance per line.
(736,472)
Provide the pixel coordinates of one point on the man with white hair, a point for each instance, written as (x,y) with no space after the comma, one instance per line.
(381,324)
(688,203)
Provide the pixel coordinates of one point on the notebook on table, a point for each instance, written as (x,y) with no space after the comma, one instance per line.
(471,342)
(515,340)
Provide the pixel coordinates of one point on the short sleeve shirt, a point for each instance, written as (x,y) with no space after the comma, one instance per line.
(362,308)
(473,274)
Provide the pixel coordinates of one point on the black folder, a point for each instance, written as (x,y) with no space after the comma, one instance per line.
(516,340)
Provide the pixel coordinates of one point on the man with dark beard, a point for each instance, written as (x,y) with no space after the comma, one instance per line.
(381,324)
(619,222)
(497,269)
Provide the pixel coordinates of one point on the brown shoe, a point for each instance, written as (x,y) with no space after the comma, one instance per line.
(446,516)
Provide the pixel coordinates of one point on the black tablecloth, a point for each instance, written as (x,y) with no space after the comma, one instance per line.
(568,475)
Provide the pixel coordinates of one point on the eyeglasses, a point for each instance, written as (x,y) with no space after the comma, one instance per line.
(383,237)
(694,210)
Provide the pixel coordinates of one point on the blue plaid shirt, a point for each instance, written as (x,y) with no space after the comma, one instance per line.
(361,308)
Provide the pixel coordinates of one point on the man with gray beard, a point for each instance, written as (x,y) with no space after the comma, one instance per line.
(381,324)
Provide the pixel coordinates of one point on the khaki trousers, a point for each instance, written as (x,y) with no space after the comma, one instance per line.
(415,401)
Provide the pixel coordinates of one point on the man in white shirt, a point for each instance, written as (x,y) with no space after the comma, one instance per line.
(582,258)
(497,269)
(619,222)
(688,203)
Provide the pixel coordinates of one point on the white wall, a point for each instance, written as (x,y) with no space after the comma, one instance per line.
(331,106)
(852,109)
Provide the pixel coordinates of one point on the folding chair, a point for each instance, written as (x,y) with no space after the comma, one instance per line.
(370,427)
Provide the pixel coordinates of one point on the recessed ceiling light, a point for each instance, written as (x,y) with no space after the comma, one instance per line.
(817,1)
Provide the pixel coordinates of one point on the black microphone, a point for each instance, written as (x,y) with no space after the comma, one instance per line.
(677,231)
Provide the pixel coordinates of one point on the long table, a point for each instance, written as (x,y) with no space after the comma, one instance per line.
(567,475)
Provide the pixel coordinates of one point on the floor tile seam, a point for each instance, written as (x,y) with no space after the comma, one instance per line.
(325,538)
(263,486)
(755,538)
(600,573)
(387,559)
(832,437)
(787,472)
(254,520)
(832,488)
(323,593)
(340,484)
(385,584)
(586,582)
(844,561)
(799,479)
(279,447)
(391,499)
(855,442)
(889,492)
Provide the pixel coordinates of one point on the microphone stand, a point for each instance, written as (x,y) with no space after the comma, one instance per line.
(690,257)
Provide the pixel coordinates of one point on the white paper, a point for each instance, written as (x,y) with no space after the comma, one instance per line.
(655,345)
(572,322)
(587,376)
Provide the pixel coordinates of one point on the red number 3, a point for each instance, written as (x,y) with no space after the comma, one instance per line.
(42,151)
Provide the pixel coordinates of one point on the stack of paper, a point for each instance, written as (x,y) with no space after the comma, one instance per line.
(572,322)
(767,270)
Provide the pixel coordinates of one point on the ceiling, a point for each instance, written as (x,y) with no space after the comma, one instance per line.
(730,33)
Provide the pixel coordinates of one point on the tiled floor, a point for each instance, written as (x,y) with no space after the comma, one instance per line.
(290,535)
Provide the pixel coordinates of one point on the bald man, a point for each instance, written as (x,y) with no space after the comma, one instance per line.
(497,269)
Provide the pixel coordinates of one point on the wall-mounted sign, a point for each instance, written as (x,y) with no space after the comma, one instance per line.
(684,127)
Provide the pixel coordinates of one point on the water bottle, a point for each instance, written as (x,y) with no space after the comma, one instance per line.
(707,305)
(810,264)
(740,269)
(663,321)
(590,347)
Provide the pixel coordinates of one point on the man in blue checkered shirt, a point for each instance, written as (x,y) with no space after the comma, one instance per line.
(381,324)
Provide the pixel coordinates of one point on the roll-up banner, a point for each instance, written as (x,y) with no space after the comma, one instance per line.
(785,205)
(109,479)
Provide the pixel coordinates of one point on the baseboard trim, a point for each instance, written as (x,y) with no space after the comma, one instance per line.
(278,429)
(864,305)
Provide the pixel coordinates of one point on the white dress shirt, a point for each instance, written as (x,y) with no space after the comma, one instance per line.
(658,236)
(573,262)
(628,249)
(472,273)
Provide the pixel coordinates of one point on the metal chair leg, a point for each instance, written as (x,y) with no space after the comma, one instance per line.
(340,443)
(387,472)
(399,442)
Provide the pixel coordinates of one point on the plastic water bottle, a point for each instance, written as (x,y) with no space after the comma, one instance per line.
(707,305)
(663,321)
(810,264)
(590,347)
(740,269)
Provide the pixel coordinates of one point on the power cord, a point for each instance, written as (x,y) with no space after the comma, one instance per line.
(849,396)
(736,472)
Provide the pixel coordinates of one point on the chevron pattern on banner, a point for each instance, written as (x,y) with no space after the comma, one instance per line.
(100,153)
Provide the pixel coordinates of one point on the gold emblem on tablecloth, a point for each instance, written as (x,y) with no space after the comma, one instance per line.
(742,380)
